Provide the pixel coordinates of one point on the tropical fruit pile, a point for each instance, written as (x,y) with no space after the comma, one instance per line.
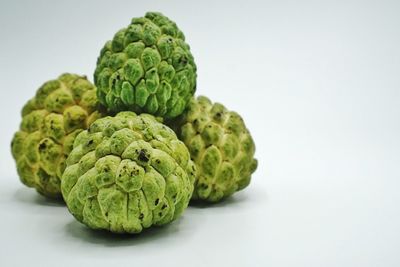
(133,149)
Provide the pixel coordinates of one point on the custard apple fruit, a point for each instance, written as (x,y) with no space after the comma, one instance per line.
(221,147)
(127,173)
(147,67)
(61,109)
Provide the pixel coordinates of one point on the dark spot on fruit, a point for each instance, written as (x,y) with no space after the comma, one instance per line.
(42,146)
(160,213)
(106,214)
(142,156)
(90,142)
(141,216)
(164,206)
(156,202)
(158,161)
(183,60)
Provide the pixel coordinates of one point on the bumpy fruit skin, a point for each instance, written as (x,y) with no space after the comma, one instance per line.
(61,109)
(221,147)
(147,67)
(127,173)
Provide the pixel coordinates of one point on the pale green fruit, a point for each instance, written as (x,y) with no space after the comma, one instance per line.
(221,147)
(60,110)
(127,173)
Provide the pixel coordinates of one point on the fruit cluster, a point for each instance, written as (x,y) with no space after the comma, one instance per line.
(131,150)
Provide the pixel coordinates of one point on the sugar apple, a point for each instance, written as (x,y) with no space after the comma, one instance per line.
(61,109)
(147,67)
(221,147)
(127,173)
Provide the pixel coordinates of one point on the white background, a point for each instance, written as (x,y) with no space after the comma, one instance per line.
(318,85)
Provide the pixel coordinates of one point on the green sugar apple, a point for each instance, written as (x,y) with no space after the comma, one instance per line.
(147,67)
(61,109)
(221,147)
(127,173)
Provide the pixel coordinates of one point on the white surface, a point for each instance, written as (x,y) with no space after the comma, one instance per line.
(318,85)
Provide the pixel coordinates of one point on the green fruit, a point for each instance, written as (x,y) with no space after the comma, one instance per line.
(127,173)
(60,110)
(147,67)
(221,147)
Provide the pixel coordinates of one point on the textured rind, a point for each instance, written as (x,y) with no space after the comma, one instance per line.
(60,110)
(127,173)
(147,67)
(221,147)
